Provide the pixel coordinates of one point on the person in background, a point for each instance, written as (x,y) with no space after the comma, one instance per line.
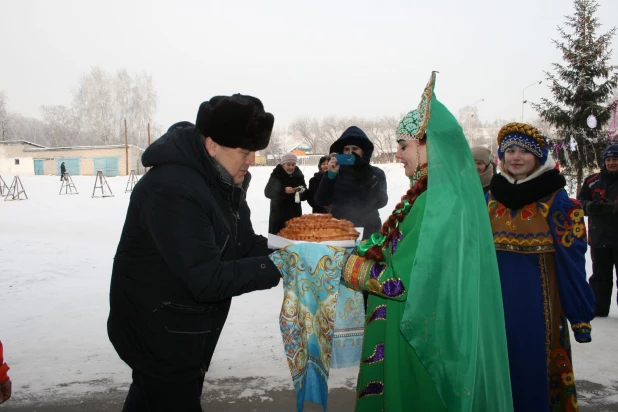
(484,165)
(314,182)
(286,188)
(63,170)
(540,241)
(356,192)
(5,381)
(599,198)
(187,247)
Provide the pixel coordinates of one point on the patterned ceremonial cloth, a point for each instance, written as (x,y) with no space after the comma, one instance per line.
(349,328)
(311,280)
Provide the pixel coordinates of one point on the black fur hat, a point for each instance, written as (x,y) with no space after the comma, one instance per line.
(235,121)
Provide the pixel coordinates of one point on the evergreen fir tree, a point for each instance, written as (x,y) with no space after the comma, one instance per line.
(580,87)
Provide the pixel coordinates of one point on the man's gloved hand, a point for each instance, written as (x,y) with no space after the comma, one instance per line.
(597,208)
(5,391)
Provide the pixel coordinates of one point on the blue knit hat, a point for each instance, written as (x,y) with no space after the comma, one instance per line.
(611,151)
(525,136)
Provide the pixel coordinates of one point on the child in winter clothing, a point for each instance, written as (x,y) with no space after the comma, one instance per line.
(286,188)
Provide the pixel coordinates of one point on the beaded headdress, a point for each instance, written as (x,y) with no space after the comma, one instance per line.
(525,136)
(414,124)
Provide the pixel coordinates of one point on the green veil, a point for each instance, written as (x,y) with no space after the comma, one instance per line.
(454,318)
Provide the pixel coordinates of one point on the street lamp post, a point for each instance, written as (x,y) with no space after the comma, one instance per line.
(523,97)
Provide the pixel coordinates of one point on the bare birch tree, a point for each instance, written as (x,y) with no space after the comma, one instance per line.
(4,118)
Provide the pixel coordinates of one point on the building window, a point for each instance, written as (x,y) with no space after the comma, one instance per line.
(16,161)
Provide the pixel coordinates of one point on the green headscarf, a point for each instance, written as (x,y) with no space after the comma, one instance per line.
(454,317)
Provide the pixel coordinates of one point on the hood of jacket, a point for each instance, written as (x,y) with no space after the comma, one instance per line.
(354,136)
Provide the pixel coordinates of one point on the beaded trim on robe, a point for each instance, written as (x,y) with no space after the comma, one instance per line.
(523,231)
(376,356)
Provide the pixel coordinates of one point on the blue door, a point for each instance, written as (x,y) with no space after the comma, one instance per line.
(72,165)
(108,165)
(111,166)
(38,166)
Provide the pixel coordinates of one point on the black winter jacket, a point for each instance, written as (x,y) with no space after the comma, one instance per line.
(186,248)
(356,193)
(283,206)
(314,183)
(602,227)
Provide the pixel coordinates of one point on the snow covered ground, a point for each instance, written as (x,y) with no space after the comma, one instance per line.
(55,263)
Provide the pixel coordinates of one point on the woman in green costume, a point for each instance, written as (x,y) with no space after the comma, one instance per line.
(434,331)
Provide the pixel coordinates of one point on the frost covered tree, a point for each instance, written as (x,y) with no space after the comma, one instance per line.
(29,129)
(581,86)
(4,118)
(61,125)
(103,101)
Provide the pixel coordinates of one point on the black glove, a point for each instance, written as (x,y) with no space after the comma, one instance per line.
(604,208)
(594,208)
(359,163)
(363,173)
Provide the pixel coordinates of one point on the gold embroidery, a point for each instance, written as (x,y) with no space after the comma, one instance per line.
(364,270)
(374,285)
(374,315)
(546,308)
(525,230)
(375,357)
(349,267)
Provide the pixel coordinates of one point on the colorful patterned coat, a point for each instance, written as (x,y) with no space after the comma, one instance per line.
(541,257)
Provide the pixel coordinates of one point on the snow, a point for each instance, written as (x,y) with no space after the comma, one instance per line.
(56,256)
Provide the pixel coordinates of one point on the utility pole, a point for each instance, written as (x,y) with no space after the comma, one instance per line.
(148,133)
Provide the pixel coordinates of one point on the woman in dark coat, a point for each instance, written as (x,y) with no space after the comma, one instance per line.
(286,188)
(314,182)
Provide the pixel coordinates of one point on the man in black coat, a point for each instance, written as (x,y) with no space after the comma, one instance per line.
(599,199)
(314,183)
(187,247)
(355,192)
(285,186)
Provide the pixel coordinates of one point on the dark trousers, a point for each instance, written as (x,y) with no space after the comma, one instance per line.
(147,394)
(602,280)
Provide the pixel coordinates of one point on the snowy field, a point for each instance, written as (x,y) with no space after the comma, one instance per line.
(55,264)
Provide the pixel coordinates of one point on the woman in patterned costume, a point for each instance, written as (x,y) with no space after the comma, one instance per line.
(540,239)
(434,334)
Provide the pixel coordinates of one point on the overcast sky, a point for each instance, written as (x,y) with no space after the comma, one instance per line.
(313,58)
